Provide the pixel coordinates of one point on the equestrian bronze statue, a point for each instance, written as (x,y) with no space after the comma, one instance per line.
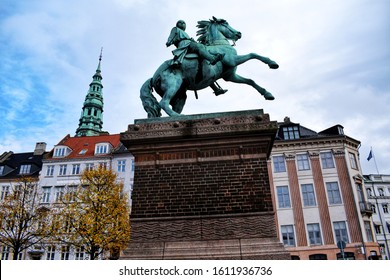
(198,65)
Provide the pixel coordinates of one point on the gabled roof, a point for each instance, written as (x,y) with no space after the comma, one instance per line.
(305,133)
(13,162)
(86,144)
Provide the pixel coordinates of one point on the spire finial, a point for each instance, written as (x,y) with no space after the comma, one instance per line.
(100,59)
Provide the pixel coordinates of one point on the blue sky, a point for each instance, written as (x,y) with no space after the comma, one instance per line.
(334,59)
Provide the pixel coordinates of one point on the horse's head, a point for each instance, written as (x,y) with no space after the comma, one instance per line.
(216,29)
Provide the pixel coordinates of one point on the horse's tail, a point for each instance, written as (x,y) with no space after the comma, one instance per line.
(150,103)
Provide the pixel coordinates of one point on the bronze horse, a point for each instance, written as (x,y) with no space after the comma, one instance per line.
(172,83)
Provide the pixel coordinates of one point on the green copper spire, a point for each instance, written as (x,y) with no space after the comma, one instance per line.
(91,120)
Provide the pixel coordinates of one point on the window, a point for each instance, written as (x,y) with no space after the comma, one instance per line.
(279,164)
(61,152)
(319,257)
(50,170)
(72,193)
(50,252)
(283,197)
(62,170)
(327,160)
(67,225)
(378,228)
(388,227)
(83,152)
(65,253)
(46,194)
(367,227)
(340,231)
(101,149)
(303,162)
(381,192)
(333,193)
(360,193)
(385,208)
(9,223)
(4,192)
(121,165)
(314,234)
(1,170)
(291,132)
(369,192)
(103,165)
(288,235)
(5,252)
(59,193)
(308,195)
(352,159)
(76,169)
(373,208)
(80,252)
(89,166)
(25,169)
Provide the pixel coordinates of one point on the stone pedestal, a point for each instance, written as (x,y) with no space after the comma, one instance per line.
(201,188)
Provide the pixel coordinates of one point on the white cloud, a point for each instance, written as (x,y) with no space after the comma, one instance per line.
(333,58)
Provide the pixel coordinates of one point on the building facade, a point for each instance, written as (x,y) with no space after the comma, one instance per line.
(318,195)
(62,169)
(378,193)
(13,166)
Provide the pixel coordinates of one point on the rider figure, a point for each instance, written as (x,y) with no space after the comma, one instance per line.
(185,44)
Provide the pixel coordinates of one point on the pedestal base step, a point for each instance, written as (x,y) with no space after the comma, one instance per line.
(232,249)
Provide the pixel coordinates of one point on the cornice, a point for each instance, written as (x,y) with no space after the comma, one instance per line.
(75,160)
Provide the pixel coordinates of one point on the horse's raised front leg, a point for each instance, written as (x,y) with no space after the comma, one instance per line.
(241,80)
(239,59)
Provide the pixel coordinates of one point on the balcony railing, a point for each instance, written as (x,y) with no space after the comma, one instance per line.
(366,208)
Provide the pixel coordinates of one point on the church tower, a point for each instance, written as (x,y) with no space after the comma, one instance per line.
(91,119)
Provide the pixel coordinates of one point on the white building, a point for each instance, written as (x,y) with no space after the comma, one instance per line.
(378,194)
(61,170)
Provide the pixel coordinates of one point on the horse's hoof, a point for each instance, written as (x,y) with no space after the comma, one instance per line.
(268,96)
(273,65)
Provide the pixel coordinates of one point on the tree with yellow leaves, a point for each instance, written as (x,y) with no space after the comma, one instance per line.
(24,222)
(95,216)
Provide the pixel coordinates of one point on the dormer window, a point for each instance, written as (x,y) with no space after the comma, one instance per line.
(25,169)
(1,170)
(291,132)
(102,149)
(61,151)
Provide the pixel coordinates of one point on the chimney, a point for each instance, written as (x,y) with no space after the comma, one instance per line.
(40,148)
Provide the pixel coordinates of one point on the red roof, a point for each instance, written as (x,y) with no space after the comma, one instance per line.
(87,143)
